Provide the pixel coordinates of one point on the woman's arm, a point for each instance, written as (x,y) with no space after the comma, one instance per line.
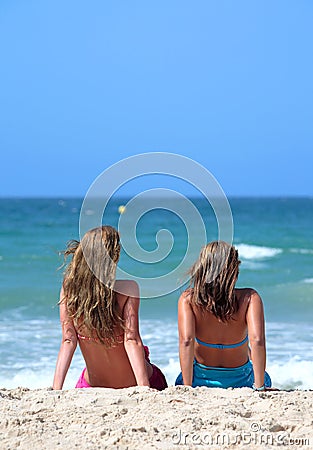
(68,345)
(132,340)
(186,331)
(255,322)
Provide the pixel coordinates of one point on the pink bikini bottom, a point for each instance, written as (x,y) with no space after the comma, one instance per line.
(157,379)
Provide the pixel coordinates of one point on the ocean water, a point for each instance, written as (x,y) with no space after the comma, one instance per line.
(275,242)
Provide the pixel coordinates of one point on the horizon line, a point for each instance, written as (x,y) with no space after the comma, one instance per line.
(80,197)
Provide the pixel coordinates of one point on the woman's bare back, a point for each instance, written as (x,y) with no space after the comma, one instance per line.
(209,329)
(109,366)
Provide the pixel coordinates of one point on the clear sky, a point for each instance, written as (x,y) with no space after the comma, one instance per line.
(84,84)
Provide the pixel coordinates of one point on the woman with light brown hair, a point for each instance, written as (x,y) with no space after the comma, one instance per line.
(217,322)
(101,314)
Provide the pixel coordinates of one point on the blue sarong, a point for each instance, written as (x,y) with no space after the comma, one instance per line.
(223,377)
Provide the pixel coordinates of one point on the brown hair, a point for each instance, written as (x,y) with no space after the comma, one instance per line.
(89,282)
(213,278)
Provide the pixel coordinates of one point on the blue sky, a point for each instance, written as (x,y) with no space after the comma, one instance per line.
(226,83)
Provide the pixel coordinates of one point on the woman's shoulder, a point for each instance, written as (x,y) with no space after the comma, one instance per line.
(186,296)
(245,295)
(247,291)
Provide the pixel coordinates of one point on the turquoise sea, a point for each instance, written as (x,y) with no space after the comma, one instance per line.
(275,241)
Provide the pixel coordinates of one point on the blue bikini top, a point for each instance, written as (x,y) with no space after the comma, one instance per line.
(222,346)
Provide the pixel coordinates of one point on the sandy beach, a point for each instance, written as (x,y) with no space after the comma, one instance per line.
(141,418)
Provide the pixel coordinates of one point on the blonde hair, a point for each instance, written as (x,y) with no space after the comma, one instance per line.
(89,282)
(213,278)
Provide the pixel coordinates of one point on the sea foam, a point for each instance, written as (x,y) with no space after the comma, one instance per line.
(247,251)
(308,280)
(295,373)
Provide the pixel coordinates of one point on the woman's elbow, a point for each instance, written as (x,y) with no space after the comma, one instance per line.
(257,341)
(132,340)
(186,341)
(70,343)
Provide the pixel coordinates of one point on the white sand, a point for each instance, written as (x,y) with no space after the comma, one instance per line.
(141,418)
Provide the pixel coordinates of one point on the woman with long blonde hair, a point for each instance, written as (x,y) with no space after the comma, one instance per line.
(101,314)
(217,322)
